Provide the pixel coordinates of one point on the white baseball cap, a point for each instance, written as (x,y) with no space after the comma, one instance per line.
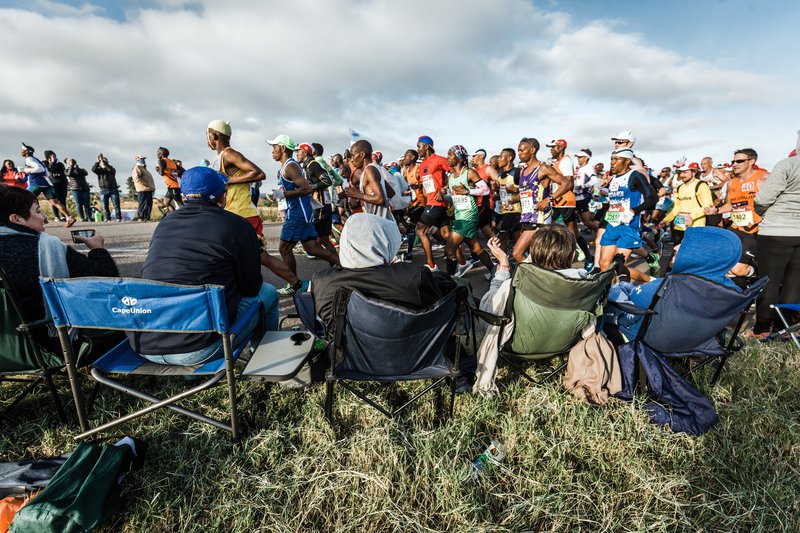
(624,136)
(626,153)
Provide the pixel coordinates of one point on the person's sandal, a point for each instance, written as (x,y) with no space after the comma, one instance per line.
(70,221)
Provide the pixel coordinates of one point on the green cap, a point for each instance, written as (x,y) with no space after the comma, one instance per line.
(283,140)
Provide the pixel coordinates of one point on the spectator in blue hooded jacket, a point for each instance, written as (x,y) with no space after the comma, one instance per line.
(708,252)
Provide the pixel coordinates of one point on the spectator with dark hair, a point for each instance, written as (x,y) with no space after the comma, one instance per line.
(12,176)
(109,190)
(26,253)
(59,181)
(79,189)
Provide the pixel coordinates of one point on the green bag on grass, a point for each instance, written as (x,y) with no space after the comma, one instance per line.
(84,492)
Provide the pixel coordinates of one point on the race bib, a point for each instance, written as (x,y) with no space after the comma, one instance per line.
(526,202)
(680,222)
(614,214)
(326,197)
(461,202)
(282,205)
(427,184)
(742,218)
(505,197)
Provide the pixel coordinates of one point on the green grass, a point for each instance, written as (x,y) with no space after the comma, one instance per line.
(568,467)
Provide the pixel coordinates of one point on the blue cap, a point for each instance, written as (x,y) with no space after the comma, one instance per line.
(426,140)
(203,183)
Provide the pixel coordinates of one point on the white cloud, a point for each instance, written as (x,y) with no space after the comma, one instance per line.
(474,73)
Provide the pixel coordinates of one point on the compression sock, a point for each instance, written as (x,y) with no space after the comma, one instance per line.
(451,266)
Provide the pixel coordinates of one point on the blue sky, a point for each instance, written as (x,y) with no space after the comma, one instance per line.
(688,78)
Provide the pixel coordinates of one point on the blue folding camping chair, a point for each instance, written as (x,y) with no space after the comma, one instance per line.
(788,329)
(142,305)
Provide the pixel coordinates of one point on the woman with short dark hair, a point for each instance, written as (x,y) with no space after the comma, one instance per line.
(26,253)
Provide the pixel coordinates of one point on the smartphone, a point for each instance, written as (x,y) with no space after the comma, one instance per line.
(81,233)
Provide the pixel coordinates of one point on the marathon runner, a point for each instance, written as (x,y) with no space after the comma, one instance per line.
(417,205)
(691,198)
(508,197)
(464,185)
(432,173)
(742,189)
(629,194)
(36,174)
(298,225)
(241,172)
(535,193)
(168,170)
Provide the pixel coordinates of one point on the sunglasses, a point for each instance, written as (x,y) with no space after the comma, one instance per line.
(620,142)
(737,161)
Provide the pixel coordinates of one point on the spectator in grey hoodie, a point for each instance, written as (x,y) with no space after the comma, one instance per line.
(778,254)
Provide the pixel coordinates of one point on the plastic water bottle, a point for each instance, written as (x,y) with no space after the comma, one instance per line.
(493,455)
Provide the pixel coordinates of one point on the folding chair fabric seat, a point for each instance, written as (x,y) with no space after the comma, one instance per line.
(381,342)
(551,310)
(142,305)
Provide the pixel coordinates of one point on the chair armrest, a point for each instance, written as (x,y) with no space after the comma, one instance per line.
(243,319)
(28,326)
(490,318)
(632,309)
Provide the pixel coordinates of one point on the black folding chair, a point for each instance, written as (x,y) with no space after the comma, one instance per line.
(375,341)
(22,358)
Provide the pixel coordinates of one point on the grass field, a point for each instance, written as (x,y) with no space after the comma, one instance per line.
(568,466)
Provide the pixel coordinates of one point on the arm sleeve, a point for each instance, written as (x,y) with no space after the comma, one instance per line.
(97,170)
(97,262)
(772,188)
(481,189)
(649,197)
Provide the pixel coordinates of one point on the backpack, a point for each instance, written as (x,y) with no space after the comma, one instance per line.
(593,371)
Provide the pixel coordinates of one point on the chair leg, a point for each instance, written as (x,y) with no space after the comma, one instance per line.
(718,372)
(517,368)
(558,369)
(329,401)
(452,397)
(48,378)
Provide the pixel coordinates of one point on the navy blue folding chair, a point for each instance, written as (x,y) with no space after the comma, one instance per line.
(375,341)
(689,317)
(788,329)
(142,305)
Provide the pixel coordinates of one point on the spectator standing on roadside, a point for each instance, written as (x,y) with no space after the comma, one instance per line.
(59,181)
(109,190)
(79,189)
(778,250)
(145,186)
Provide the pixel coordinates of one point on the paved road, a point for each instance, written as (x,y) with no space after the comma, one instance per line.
(128,243)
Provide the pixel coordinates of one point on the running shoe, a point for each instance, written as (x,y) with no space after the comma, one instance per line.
(433,268)
(70,221)
(581,255)
(653,261)
(408,258)
(288,290)
(463,269)
(437,246)
(588,265)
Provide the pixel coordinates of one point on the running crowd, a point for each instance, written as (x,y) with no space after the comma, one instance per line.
(450,201)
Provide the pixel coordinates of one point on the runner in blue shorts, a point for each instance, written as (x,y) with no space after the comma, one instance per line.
(629,194)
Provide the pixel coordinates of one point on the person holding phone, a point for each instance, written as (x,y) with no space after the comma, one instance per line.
(27,252)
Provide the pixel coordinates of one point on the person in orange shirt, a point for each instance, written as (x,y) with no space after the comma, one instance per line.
(433,174)
(417,206)
(168,170)
(742,190)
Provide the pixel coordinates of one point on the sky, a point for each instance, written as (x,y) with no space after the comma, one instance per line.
(125,77)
